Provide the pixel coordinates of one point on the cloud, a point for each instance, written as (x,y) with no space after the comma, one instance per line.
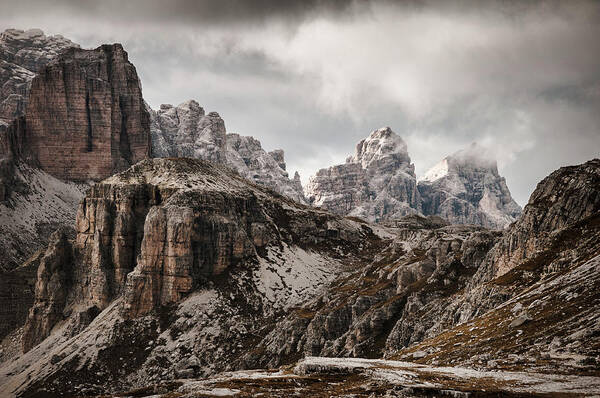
(314,77)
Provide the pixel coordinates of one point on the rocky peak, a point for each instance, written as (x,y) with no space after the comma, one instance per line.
(185,131)
(465,188)
(380,147)
(378,183)
(22,55)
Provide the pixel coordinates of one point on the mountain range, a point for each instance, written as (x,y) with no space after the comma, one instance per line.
(146,252)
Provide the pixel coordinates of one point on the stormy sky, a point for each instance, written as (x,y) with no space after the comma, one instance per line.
(314,77)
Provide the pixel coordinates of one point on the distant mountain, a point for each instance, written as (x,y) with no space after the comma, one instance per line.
(465,188)
(378,184)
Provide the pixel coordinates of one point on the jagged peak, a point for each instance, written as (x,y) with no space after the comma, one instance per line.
(380,143)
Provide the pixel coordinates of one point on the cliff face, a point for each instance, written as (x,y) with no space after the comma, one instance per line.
(86,119)
(378,183)
(187,131)
(465,188)
(22,55)
(161,230)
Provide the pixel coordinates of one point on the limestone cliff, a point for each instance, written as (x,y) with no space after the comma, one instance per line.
(187,131)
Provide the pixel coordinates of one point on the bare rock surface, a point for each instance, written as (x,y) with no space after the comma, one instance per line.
(187,131)
(22,55)
(378,183)
(465,188)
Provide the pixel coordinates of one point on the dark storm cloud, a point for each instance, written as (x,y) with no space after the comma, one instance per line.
(314,77)
(189,11)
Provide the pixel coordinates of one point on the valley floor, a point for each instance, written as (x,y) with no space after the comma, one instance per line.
(357,377)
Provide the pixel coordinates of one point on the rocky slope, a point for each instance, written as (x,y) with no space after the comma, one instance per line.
(465,188)
(181,268)
(22,55)
(466,295)
(186,131)
(378,183)
(197,258)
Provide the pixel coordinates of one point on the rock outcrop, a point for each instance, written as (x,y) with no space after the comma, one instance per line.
(186,131)
(22,55)
(465,188)
(378,183)
(567,196)
(86,118)
(162,230)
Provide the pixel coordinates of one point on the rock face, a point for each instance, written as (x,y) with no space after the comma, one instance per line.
(53,282)
(378,183)
(161,230)
(186,131)
(465,188)
(85,119)
(567,196)
(22,55)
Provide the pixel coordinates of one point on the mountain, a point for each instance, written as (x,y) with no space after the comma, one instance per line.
(378,183)
(465,188)
(186,263)
(186,131)
(22,55)
(182,269)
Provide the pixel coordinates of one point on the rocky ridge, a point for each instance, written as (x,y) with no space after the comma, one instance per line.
(467,295)
(379,184)
(187,131)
